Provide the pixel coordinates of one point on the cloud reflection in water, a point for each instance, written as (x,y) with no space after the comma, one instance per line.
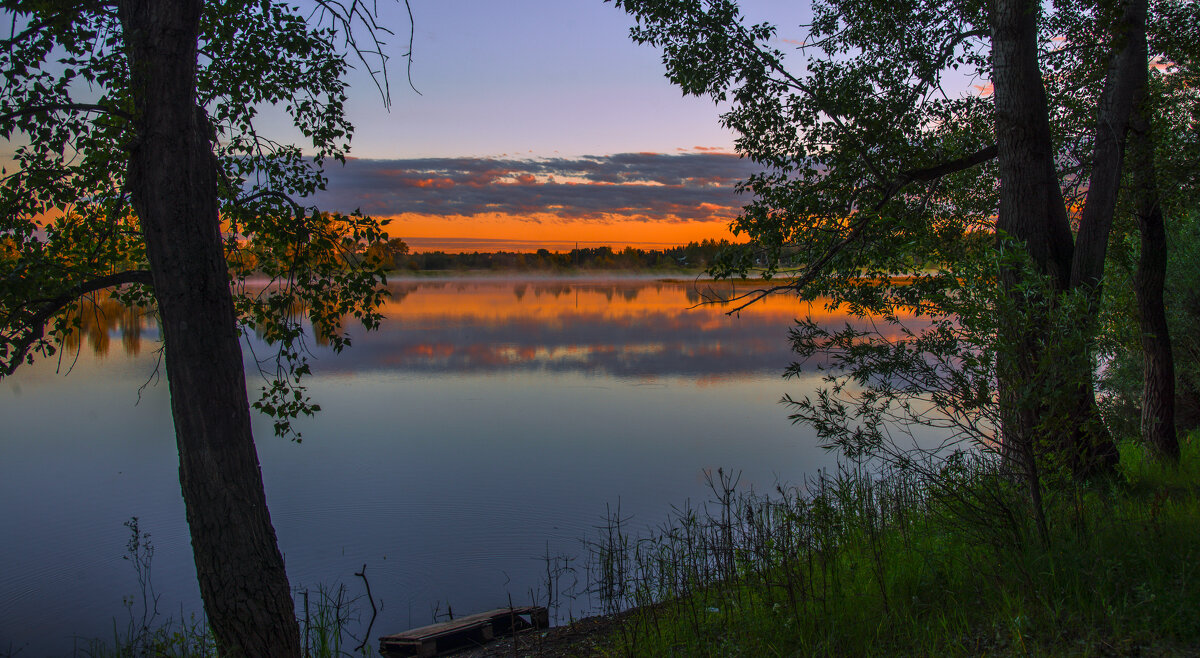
(624,328)
(630,327)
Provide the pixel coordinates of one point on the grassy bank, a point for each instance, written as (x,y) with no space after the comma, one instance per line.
(917,562)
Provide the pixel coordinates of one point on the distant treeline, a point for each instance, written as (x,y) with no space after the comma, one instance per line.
(694,255)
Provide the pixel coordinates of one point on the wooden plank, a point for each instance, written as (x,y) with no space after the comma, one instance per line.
(441,628)
(456,633)
(539,612)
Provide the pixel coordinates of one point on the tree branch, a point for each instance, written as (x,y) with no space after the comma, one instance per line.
(810,272)
(924,175)
(953,42)
(35,325)
(412,33)
(272,194)
(1125,77)
(927,174)
(898,183)
(54,107)
(773,62)
(49,19)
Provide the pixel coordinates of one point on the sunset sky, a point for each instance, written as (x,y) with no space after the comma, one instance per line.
(539,123)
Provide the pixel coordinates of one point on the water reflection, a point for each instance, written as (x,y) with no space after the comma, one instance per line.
(622,328)
(626,328)
(98,318)
(486,422)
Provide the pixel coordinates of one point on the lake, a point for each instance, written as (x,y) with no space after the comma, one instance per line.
(489,422)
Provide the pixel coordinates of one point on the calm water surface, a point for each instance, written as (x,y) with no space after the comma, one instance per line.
(486,423)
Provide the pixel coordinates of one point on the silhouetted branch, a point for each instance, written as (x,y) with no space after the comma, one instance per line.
(813,269)
(412,31)
(35,325)
(272,194)
(54,107)
(346,14)
(49,19)
(954,166)
(367,636)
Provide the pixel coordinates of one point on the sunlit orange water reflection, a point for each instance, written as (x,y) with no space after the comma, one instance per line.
(628,327)
(632,327)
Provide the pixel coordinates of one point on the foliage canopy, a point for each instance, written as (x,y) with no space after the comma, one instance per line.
(915,142)
(67,221)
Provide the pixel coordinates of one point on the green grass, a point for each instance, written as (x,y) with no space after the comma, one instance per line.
(906,564)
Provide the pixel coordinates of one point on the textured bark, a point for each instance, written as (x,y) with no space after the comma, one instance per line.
(1158,392)
(172,178)
(1123,84)
(1033,212)
(1031,204)
(1090,447)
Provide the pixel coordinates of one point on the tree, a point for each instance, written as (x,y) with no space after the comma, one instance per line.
(389,253)
(1156,249)
(1158,374)
(877,165)
(139,164)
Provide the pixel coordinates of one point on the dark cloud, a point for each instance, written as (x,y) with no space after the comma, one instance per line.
(679,187)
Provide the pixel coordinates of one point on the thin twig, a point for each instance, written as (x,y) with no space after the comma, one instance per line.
(374,611)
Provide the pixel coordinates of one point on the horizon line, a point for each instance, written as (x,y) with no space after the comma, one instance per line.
(464,245)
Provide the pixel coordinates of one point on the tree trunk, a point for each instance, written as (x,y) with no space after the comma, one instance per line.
(1123,84)
(1158,392)
(172,179)
(1032,212)
(1026,204)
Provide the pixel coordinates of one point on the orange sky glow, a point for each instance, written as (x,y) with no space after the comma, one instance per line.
(525,233)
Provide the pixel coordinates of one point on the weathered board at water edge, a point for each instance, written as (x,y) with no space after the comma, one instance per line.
(472,630)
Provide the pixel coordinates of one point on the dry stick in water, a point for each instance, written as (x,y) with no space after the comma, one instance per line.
(374,611)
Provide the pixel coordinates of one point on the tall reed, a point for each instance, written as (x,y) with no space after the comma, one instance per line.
(942,556)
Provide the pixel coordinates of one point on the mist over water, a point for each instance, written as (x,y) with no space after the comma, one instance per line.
(487,423)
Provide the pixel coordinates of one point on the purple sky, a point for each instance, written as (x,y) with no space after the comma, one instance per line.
(535,78)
